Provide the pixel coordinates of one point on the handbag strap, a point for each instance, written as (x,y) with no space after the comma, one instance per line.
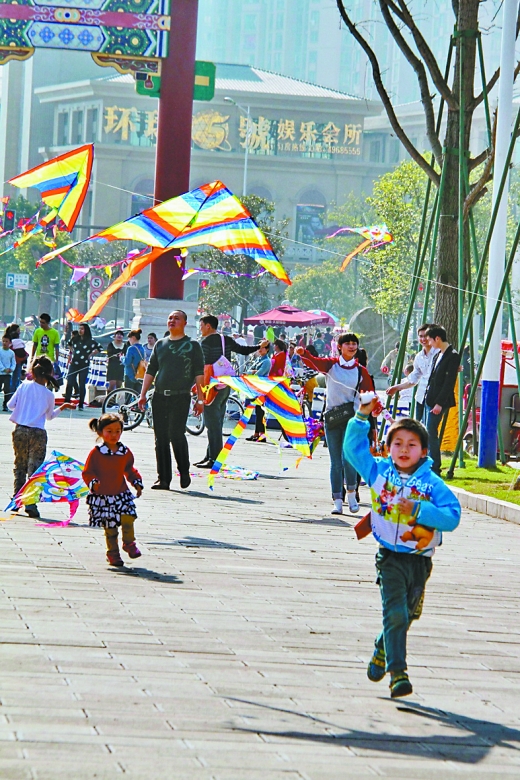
(223,342)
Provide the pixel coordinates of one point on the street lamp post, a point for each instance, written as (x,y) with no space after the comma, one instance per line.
(247,112)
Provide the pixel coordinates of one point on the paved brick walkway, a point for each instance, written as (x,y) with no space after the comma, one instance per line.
(236,647)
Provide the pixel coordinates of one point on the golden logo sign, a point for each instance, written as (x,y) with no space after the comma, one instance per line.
(210,130)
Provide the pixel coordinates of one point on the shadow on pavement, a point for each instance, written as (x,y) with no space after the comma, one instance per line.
(194,541)
(470,747)
(148,574)
(334,521)
(213,497)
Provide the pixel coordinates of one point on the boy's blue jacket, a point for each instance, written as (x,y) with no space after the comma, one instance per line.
(436,508)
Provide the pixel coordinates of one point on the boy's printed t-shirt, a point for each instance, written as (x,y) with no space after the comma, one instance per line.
(436,508)
(46,341)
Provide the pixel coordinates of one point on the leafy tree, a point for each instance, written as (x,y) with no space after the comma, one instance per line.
(458,94)
(386,272)
(325,287)
(254,295)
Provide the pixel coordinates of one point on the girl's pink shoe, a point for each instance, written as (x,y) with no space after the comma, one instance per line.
(132,550)
(114,559)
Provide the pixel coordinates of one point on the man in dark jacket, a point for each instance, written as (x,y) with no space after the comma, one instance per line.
(214,346)
(440,393)
(176,364)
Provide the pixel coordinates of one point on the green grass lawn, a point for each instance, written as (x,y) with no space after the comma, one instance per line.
(496,483)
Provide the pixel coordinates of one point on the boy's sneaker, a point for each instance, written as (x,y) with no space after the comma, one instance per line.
(132,550)
(32,511)
(377,666)
(400,685)
(114,559)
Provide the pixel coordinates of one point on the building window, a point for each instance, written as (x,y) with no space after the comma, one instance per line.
(92,125)
(393,151)
(77,127)
(250,23)
(375,151)
(143,196)
(63,128)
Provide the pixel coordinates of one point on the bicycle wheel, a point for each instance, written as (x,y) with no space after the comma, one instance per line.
(123,400)
(234,411)
(194,425)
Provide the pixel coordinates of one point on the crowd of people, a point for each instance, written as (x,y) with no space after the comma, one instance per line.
(411,505)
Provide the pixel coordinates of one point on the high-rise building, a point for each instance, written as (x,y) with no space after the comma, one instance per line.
(306,39)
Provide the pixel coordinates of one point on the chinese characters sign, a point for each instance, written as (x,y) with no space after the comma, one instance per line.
(126,122)
(283,136)
(213,130)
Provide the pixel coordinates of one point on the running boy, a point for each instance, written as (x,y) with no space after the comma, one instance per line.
(411,506)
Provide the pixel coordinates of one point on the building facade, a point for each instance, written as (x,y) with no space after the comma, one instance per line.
(294,143)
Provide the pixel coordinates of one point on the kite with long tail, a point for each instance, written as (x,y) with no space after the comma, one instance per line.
(275,394)
(63,184)
(374,235)
(209,215)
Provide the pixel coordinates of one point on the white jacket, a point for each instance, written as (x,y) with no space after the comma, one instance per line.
(422,366)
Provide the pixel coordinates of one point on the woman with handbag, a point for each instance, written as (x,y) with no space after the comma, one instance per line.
(345,379)
(81,350)
(135,364)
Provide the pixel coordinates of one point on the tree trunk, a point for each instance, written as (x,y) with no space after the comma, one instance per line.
(446,313)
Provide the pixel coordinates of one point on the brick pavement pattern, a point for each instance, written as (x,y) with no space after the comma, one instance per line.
(236,647)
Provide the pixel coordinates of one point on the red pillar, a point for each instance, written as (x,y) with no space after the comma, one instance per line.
(172,162)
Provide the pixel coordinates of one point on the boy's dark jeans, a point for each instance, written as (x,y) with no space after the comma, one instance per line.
(401,579)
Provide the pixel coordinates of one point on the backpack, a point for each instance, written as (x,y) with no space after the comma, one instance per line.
(140,371)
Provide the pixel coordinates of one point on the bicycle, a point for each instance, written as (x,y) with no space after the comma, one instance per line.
(234,411)
(124,401)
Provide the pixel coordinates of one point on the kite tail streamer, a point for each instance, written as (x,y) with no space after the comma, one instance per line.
(356,251)
(235,434)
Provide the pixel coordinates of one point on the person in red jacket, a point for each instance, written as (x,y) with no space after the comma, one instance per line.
(346,378)
(279,358)
(109,467)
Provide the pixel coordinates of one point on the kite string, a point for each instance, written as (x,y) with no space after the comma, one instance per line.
(340,254)
(435,282)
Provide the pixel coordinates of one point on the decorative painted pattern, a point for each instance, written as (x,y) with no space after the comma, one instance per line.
(133,28)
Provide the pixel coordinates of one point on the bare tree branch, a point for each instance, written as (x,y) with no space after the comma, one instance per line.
(427,56)
(422,78)
(477,190)
(474,162)
(489,86)
(385,98)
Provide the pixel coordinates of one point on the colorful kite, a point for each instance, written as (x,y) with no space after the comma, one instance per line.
(375,235)
(58,479)
(276,396)
(209,215)
(63,183)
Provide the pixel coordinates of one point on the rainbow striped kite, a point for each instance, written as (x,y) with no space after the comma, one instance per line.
(235,434)
(63,183)
(210,215)
(278,399)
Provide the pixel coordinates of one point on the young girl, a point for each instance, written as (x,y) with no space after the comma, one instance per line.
(108,468)
(31,405)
